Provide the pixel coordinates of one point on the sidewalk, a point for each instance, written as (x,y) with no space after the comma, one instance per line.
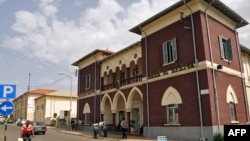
(111,135)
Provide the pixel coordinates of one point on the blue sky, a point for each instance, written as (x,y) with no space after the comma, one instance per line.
(44,37)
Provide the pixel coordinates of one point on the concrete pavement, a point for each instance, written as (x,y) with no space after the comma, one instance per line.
(112,136)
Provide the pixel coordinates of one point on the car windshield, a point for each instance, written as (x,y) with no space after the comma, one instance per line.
(38,123)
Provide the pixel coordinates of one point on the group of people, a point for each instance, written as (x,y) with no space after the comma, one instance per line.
(99,129)
(75,124)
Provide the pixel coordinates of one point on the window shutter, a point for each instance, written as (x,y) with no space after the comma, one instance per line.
(221,47)
(89,80)
(86,81)
(164,48)
(229,51)
(174,49)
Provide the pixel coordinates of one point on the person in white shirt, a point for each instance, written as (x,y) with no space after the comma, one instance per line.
(95,128)
(124,126)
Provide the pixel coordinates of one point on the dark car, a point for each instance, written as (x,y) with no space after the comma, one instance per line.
(39,127)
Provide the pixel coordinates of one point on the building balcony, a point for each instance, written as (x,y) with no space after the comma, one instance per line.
(119,83)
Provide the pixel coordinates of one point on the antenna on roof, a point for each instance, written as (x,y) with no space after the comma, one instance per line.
(183,20)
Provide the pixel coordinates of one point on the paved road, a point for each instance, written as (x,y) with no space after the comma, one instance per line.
(60,134)
(13,132)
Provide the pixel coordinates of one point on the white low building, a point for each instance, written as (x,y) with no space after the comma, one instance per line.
(45,104)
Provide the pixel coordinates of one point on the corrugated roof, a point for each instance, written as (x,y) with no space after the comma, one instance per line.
(245,49)
(228,12)
(65,93)
(217,4)
(91,54)
(119,52)
(41,91)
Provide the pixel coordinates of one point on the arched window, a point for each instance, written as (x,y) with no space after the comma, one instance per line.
(86,112)
(171,99)
(232,101)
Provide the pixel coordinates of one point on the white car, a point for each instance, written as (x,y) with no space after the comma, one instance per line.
(20,122)
(2,119)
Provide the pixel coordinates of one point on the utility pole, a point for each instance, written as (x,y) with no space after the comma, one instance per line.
(27,97)
(29,83)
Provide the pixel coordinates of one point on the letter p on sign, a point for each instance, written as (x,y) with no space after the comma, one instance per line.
(7,91)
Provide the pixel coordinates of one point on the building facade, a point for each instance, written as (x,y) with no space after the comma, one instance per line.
(24,105)
(183,80)
(45,104)
(56,105)
(246,68)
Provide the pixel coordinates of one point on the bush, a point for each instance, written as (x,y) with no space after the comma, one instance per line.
(53,122)
(218,137)
(132,123)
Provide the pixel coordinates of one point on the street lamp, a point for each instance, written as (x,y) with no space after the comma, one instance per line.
(70,106)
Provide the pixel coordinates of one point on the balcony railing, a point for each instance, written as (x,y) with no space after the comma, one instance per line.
(119,83)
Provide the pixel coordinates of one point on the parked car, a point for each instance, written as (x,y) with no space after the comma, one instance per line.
(10,120)
(20,122)
(2,118)
(39,127)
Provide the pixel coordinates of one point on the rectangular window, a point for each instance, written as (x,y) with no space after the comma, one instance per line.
(232,111)
(135,71)
(122,78)
(87,81)
(225,48)
(86,121)
(172,114)
(169,51)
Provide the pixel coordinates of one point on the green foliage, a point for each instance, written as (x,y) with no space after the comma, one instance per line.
(218,137)
(132,123)
(53,122)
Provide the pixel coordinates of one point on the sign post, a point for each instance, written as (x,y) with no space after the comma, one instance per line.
(7,107)
(7,91)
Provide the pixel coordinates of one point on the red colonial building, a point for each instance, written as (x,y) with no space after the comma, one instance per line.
(183,79)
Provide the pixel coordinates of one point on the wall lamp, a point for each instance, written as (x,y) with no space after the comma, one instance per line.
(219,67)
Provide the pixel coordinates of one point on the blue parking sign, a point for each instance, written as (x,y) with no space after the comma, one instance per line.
(6,108)
(7,91)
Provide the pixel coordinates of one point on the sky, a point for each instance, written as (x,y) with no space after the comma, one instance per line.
(39,38)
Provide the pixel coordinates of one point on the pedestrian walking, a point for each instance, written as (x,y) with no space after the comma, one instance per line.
(80,124)
(124,126)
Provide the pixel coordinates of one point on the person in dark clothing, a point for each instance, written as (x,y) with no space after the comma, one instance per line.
(72,124)
(141,129)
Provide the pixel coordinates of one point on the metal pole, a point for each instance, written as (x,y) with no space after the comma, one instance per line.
(5,129)
(196,69)
(70,104)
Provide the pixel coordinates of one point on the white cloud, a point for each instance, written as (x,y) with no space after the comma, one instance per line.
(48,7)
(44,36)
